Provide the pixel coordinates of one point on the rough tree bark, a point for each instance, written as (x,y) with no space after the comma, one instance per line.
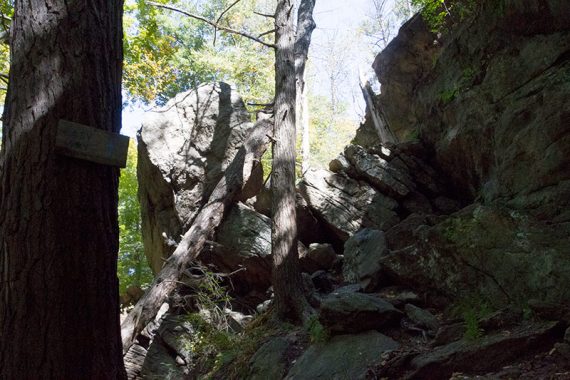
(305,26)
(290,300)
(59,300)
(209,217)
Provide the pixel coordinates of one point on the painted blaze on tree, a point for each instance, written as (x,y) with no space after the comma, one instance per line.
(58,215)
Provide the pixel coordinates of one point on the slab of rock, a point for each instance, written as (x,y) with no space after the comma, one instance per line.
(269,362)
(379,172)
(362,253)
(489,353)
(183,150)
(350,313)
(343,357)
(346,205)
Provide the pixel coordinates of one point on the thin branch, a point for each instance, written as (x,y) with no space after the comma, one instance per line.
(227,10)
(266,33)
(210,22)
(264,14)
(220,18)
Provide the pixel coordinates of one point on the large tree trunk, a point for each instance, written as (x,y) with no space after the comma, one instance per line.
(290,300)
(209,217)
(59,301)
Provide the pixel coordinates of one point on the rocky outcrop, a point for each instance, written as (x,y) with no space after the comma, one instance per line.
(184,148)
(492,110)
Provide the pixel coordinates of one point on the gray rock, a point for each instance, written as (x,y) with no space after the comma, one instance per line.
(362,253)
(169,355)
(339,164)
(343,357)
(398,296)
(386,177)
(489,353)
(346,205)
(422,317)
(567,335)
(503,255)
(449,333)
(318,256)
(183,149)
(243,241)
(345,312)
(466,112)
(404,234)
(269,362)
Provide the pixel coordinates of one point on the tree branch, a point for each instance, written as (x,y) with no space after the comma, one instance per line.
(212,23)
(266,33)
(222,15)
(264,14)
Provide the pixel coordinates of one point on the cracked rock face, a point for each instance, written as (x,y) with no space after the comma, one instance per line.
(493,110)
(184,148)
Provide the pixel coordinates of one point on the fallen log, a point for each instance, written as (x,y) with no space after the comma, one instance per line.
(209,217)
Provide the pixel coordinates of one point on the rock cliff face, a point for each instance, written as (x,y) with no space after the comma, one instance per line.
(491,102)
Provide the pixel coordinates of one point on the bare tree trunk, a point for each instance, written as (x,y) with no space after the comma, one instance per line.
(59,295)
(290,300)
(209,217)
(305,26)
(385,134)
(304,122)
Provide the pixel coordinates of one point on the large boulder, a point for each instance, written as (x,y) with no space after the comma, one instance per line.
(184,148)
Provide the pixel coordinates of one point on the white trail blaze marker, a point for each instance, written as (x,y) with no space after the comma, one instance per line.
(91,144)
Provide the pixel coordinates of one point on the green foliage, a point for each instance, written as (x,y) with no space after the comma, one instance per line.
(329,132)
(472,308)
(210,344)
(132,268)
(441,14)
(6,14)
(448,95)
(317,332)
(167,52)
(472,329)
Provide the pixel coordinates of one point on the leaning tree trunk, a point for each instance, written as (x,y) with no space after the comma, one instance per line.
(59,301)
(290,300)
